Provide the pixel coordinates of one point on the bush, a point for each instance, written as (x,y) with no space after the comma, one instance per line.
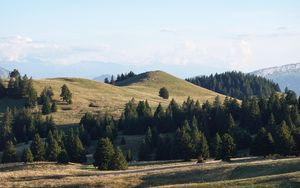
(164,93)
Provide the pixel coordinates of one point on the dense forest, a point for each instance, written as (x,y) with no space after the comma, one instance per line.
(257,125)
(237,84)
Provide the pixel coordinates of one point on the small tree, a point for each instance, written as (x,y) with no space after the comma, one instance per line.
(104,154)
(53,148)
(123,141)
(164,93)
(228,147)
(37,148)
(129,157)
(46,108)
(118,161)
(63,157)
(27,156)
(66,94)
(9,153)
(54,107)
(216,146)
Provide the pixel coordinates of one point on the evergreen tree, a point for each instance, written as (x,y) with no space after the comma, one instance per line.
(37,148)
(9,153)
(284,143)
(77,151)
(63,157)
(202,147)
(46,108)
(52,149)
(104,154)
(66,94)
(6,133)
(228,147)
(123,141)
(118,161)
(230,122)
(129,156)
(296,137)
(263,143)
(164,93)
(54,107)
(27,156)
(31,95)
(216,147)
(2,89)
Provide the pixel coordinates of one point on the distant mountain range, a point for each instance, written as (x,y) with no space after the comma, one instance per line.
(285,76)
(102,77)
(3,73)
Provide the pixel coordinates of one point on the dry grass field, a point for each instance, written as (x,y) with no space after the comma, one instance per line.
(239,173)
(111,99)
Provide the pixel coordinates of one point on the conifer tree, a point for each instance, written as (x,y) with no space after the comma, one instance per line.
(129,156)
(228,147)
(46,108)
(9,153)
(216,147)
(118,161)
(63,157)
(284,143)
(27,156)
(263,143)
(6,133)
(296,137)
(54,107)
(103,154)
(52,149)
(66,94)
(164,93)
(37,148)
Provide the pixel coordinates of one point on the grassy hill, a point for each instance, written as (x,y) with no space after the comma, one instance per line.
(111,99)
(242,172)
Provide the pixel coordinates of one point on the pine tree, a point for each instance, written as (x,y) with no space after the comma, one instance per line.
(228,147)
(54,107)
(37,148)
(202,147)
(263,143)
(216,147)
(77,154)
(27,156)
(284,143)
(103,154)
(46,108)
(9,153)
(63,157)
(164,93)
(6,133)
(118,161)
(230,122)
(123,141)
(129,156)
(2,89)
(66,94)
(52,149)
(296,137)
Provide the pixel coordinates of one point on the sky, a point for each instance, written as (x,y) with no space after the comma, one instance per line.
(88,38)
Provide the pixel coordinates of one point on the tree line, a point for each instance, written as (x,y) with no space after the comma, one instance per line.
(119,78)
(263,125)
(237,84)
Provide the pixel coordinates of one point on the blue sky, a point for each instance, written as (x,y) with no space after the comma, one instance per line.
(185,38)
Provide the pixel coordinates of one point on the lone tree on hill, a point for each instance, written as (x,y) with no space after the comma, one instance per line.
(164,93)
(66,94)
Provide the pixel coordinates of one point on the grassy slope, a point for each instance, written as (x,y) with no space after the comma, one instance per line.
(112,98)
(255,173)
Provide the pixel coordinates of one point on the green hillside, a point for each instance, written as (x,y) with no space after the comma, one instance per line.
(111,99)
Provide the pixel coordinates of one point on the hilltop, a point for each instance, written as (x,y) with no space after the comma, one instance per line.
(111,99)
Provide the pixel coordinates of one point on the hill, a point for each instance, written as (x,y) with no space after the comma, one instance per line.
(237,84)
(285,76)
(112,98)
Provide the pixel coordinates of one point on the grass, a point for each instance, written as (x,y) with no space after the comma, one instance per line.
(252,173)
(111,99)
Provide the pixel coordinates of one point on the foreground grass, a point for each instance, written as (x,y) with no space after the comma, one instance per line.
(253,173)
